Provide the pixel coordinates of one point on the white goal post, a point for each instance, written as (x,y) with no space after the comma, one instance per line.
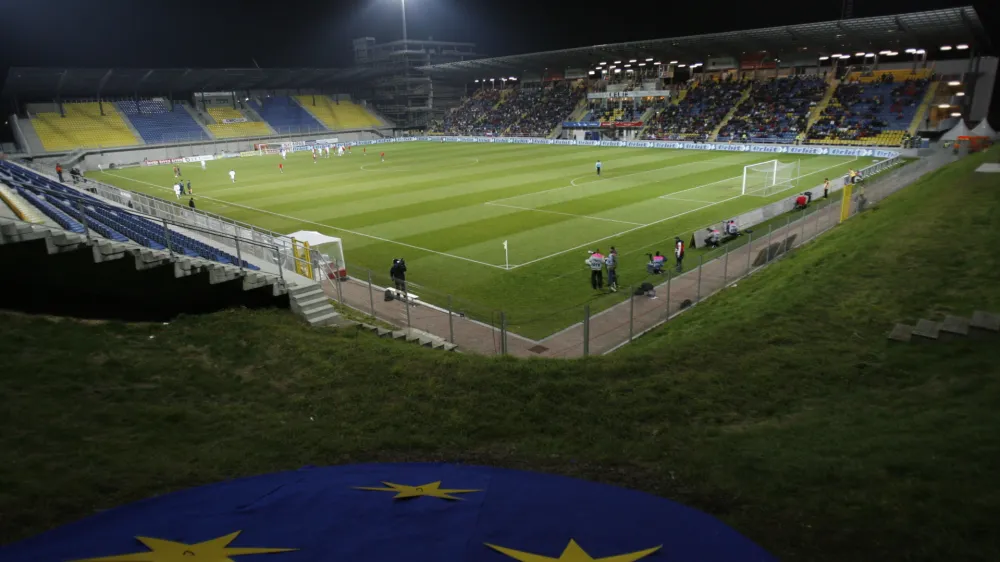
(767,178)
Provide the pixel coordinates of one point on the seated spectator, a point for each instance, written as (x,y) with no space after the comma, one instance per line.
(714,237)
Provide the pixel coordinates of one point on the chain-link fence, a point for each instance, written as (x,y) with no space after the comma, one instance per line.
(480,329)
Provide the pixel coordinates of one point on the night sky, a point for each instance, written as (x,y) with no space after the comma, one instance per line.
(207,33)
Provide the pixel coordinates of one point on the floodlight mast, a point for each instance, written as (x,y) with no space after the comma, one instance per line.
(403,5)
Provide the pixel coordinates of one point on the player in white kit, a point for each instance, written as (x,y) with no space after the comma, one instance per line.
(203,165)
(232,175)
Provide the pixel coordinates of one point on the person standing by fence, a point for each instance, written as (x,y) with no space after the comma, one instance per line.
(612,264)
(596,264)
(679,253)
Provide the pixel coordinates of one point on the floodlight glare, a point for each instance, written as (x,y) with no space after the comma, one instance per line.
(618,71)
(824,58)
(681,65)
(633,60)
(673,62)
(591,73)
(961,47)
(618,62)
(837,56)
(956,114)
(628,66)
(650,59)
(959,93)
(954,83)
(944,106)
(869,55)
(945,47)
(602,64)
(642,64)
(657,63)
(861,54)
(911,50)
(921,51)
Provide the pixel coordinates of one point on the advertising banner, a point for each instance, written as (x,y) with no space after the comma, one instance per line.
(202,158)
(235,120)
(581,124)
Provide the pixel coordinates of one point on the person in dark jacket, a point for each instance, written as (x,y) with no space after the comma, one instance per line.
(398,274)
(191,203)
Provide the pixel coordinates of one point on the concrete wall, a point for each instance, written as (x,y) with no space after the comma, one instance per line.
(71,284)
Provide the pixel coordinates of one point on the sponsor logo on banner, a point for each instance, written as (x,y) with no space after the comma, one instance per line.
(249,153)
(327,141)
(622,124)
(581,124)
(235,120)
(162,162)
(202,158)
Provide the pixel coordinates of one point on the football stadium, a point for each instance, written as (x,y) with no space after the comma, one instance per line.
(730,282)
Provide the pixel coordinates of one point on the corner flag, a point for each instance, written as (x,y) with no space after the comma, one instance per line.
(504,244)
(506,257)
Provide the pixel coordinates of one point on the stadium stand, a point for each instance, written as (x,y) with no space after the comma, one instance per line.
(284,114)
(157,124)
(541,110)
(698,113)
(462,120)
(876,112)
(83,126)
(58,202)
(514,111)
(337,115)
(18,206)
(232,130)
(776,111)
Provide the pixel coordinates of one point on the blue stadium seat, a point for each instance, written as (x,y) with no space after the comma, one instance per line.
(157,124)
(284,115)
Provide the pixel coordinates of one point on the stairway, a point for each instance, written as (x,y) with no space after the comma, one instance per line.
(411,335)
(925,106)
(818,110)
(952,327)
(715,132)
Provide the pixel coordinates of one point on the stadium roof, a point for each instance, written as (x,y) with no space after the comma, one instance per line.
(927,30)
(111,82)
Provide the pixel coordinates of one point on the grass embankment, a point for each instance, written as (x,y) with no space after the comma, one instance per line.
(778,405)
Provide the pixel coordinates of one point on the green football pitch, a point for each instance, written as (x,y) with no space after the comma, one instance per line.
(447,208)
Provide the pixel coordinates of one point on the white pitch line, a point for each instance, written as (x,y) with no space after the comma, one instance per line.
(592,242)
(600,180)
(337,228)
(564,214)
(393,168)
(672,198)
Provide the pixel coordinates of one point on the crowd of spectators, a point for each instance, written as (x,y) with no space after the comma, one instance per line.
(514,111)
(697,115)
(862,110)
(777,110)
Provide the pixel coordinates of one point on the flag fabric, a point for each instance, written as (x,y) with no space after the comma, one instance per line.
(504,244)
(395,513)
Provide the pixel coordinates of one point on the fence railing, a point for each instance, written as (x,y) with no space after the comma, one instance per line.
(480,328)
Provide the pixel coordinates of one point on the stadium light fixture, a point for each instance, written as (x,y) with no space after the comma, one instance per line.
(959,94)
(956,114)
(944,105)
(477,80)
(861,54)
(892,53)
(642,64)
(602,64)
(945,47)
(869,55)
(836,56)
(824,58)
(591,73)
(962,47)
(954,83)
(650,59)
(633,60)
(629,70)
(657,63)
(628,66)
(921,51)
(911,50)
(673,62)
(513,78)
(681,65)
(618,62)
(618,71)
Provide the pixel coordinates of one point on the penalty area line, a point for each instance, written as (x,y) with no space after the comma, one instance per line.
(337,228)
(563,214)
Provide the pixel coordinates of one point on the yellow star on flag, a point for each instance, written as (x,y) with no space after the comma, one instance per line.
(573,553)
(214,550)
(433,490)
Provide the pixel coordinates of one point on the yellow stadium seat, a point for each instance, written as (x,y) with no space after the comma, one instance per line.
(343,115)
(83,126)
(232,130)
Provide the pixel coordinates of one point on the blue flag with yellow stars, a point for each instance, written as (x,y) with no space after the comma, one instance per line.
(395,513)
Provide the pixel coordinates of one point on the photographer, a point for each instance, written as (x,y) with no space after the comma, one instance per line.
(398,274)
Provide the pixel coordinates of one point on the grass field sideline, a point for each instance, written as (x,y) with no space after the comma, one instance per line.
(448,207)
(778,406)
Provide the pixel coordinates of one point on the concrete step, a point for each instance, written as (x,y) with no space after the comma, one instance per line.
(988,321)
(383,332)
(927,329)
(302,290)
(901,332)
(309,301)
(954,327)
(324,319)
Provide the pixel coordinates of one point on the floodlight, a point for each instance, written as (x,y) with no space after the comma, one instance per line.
(869,55)
(911,50)
(681,65)
(628,66)
(642,64)
(824,58)
(618,62)
(657,63)
(886,52)
(602,64)
(618,71)
(477,80)
(837,56)
(673,62)
(921,51)
(945,47)
(959,93)
(954,83)
(650,59)
(591,73)
(956,114)
(633,60)
(962,47)
(861,54)
(513,78)
(944,105)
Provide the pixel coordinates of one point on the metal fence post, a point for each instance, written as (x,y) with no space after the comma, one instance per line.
(406,304)
(701,264)
(669,277)
(749,251)
(631,312)
(371,295)
(338,281)
(239,255)
(451,323)
(586,330)
(83,220)
(770,228)
(503,333)
(725,267)
(166,235)
(803,219)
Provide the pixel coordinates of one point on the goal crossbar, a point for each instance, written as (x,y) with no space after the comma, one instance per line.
(770,177)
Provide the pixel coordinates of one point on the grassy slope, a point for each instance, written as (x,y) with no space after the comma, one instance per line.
(777,406)
(431,195)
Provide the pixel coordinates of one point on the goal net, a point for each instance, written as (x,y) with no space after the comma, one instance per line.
(767,178)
